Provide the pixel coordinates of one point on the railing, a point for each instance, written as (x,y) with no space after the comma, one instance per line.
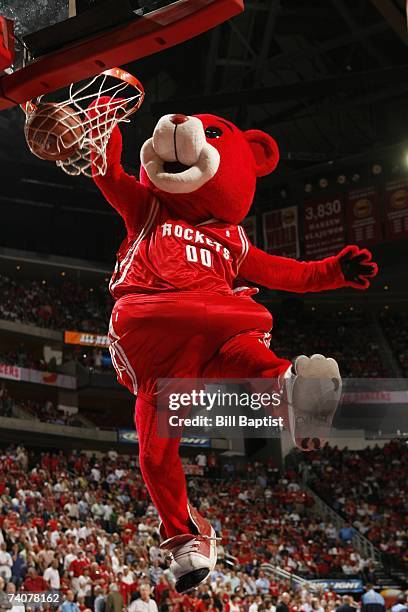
(361,543)
(284,574)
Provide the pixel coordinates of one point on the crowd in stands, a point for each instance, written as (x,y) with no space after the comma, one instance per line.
(369,488)
(94,359)
(60,306)
(23,358)
(83,525)
(395,326)
(47,412)
(347,335)
(41,410)
(344,335)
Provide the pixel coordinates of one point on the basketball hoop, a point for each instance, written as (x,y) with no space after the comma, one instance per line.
(75,137)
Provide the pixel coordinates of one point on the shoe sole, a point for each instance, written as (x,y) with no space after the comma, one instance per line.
(193,579)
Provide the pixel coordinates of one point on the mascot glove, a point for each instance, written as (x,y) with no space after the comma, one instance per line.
(357,267)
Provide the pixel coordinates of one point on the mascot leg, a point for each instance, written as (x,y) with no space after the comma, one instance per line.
(187,535)
(311,387)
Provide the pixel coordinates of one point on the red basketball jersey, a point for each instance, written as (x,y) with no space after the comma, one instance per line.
(172,255)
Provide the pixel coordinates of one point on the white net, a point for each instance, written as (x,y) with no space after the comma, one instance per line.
(97,107)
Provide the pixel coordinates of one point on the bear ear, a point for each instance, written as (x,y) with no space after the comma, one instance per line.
(265,151)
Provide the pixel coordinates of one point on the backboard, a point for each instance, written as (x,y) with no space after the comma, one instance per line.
(63,41)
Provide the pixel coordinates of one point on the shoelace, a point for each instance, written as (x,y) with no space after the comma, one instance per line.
(191,546)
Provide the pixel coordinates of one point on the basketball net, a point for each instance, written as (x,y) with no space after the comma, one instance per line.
(113,96)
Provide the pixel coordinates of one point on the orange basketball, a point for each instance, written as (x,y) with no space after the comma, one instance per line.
(53,132)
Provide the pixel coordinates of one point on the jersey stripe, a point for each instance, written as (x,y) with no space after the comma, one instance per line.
(128,259)
(245,246)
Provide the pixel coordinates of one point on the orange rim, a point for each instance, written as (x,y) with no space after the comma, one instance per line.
(117,73)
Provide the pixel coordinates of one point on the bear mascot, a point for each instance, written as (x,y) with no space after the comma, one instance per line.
(176,314)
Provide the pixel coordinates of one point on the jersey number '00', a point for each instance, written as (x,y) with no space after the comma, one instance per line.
(171,255)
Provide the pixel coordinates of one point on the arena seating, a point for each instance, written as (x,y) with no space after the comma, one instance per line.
(369,488)
(342,333)
(395,326)
(92,516)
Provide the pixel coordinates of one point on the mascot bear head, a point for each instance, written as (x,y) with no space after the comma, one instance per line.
(203,166)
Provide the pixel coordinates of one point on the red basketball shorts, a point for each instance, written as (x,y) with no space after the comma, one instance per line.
(188,335)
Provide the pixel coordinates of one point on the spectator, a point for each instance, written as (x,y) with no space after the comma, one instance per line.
(35,583)
(114,601)
(346,533)
(6,562)
(372,601)
(283,604)
(100,600)
(145,603)
(401,604)
(69,604)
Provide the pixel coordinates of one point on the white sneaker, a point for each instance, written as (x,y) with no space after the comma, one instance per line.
(193,555)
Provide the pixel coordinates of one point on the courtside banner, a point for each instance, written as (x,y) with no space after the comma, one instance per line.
(396,210)
(86,339)
(249,225)
(281,232)
(324,227)
(363,217)
(338,586)
(10,372)
(129,436)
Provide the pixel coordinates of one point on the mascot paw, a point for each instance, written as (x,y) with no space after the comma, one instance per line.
(357,267)
(313,391)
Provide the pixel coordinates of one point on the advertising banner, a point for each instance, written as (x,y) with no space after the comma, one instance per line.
(396,209)
(128,436)
(86,339)
(363,217)
(10,372)
(324,227)
(48,378)
(281,232)
(338,586)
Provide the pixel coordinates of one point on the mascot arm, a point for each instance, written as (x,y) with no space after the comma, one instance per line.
(124,192)
(352,267)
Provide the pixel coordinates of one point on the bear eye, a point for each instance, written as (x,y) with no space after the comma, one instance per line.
(213,132)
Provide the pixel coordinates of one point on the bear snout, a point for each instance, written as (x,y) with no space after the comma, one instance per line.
(179,138)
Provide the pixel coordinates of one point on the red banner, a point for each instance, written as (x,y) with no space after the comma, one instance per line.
(363,217)
(281,232)
(396,210)
(324,227)
(10,372)
(249,225)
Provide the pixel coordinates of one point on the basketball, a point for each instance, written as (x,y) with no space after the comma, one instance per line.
(53,132)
